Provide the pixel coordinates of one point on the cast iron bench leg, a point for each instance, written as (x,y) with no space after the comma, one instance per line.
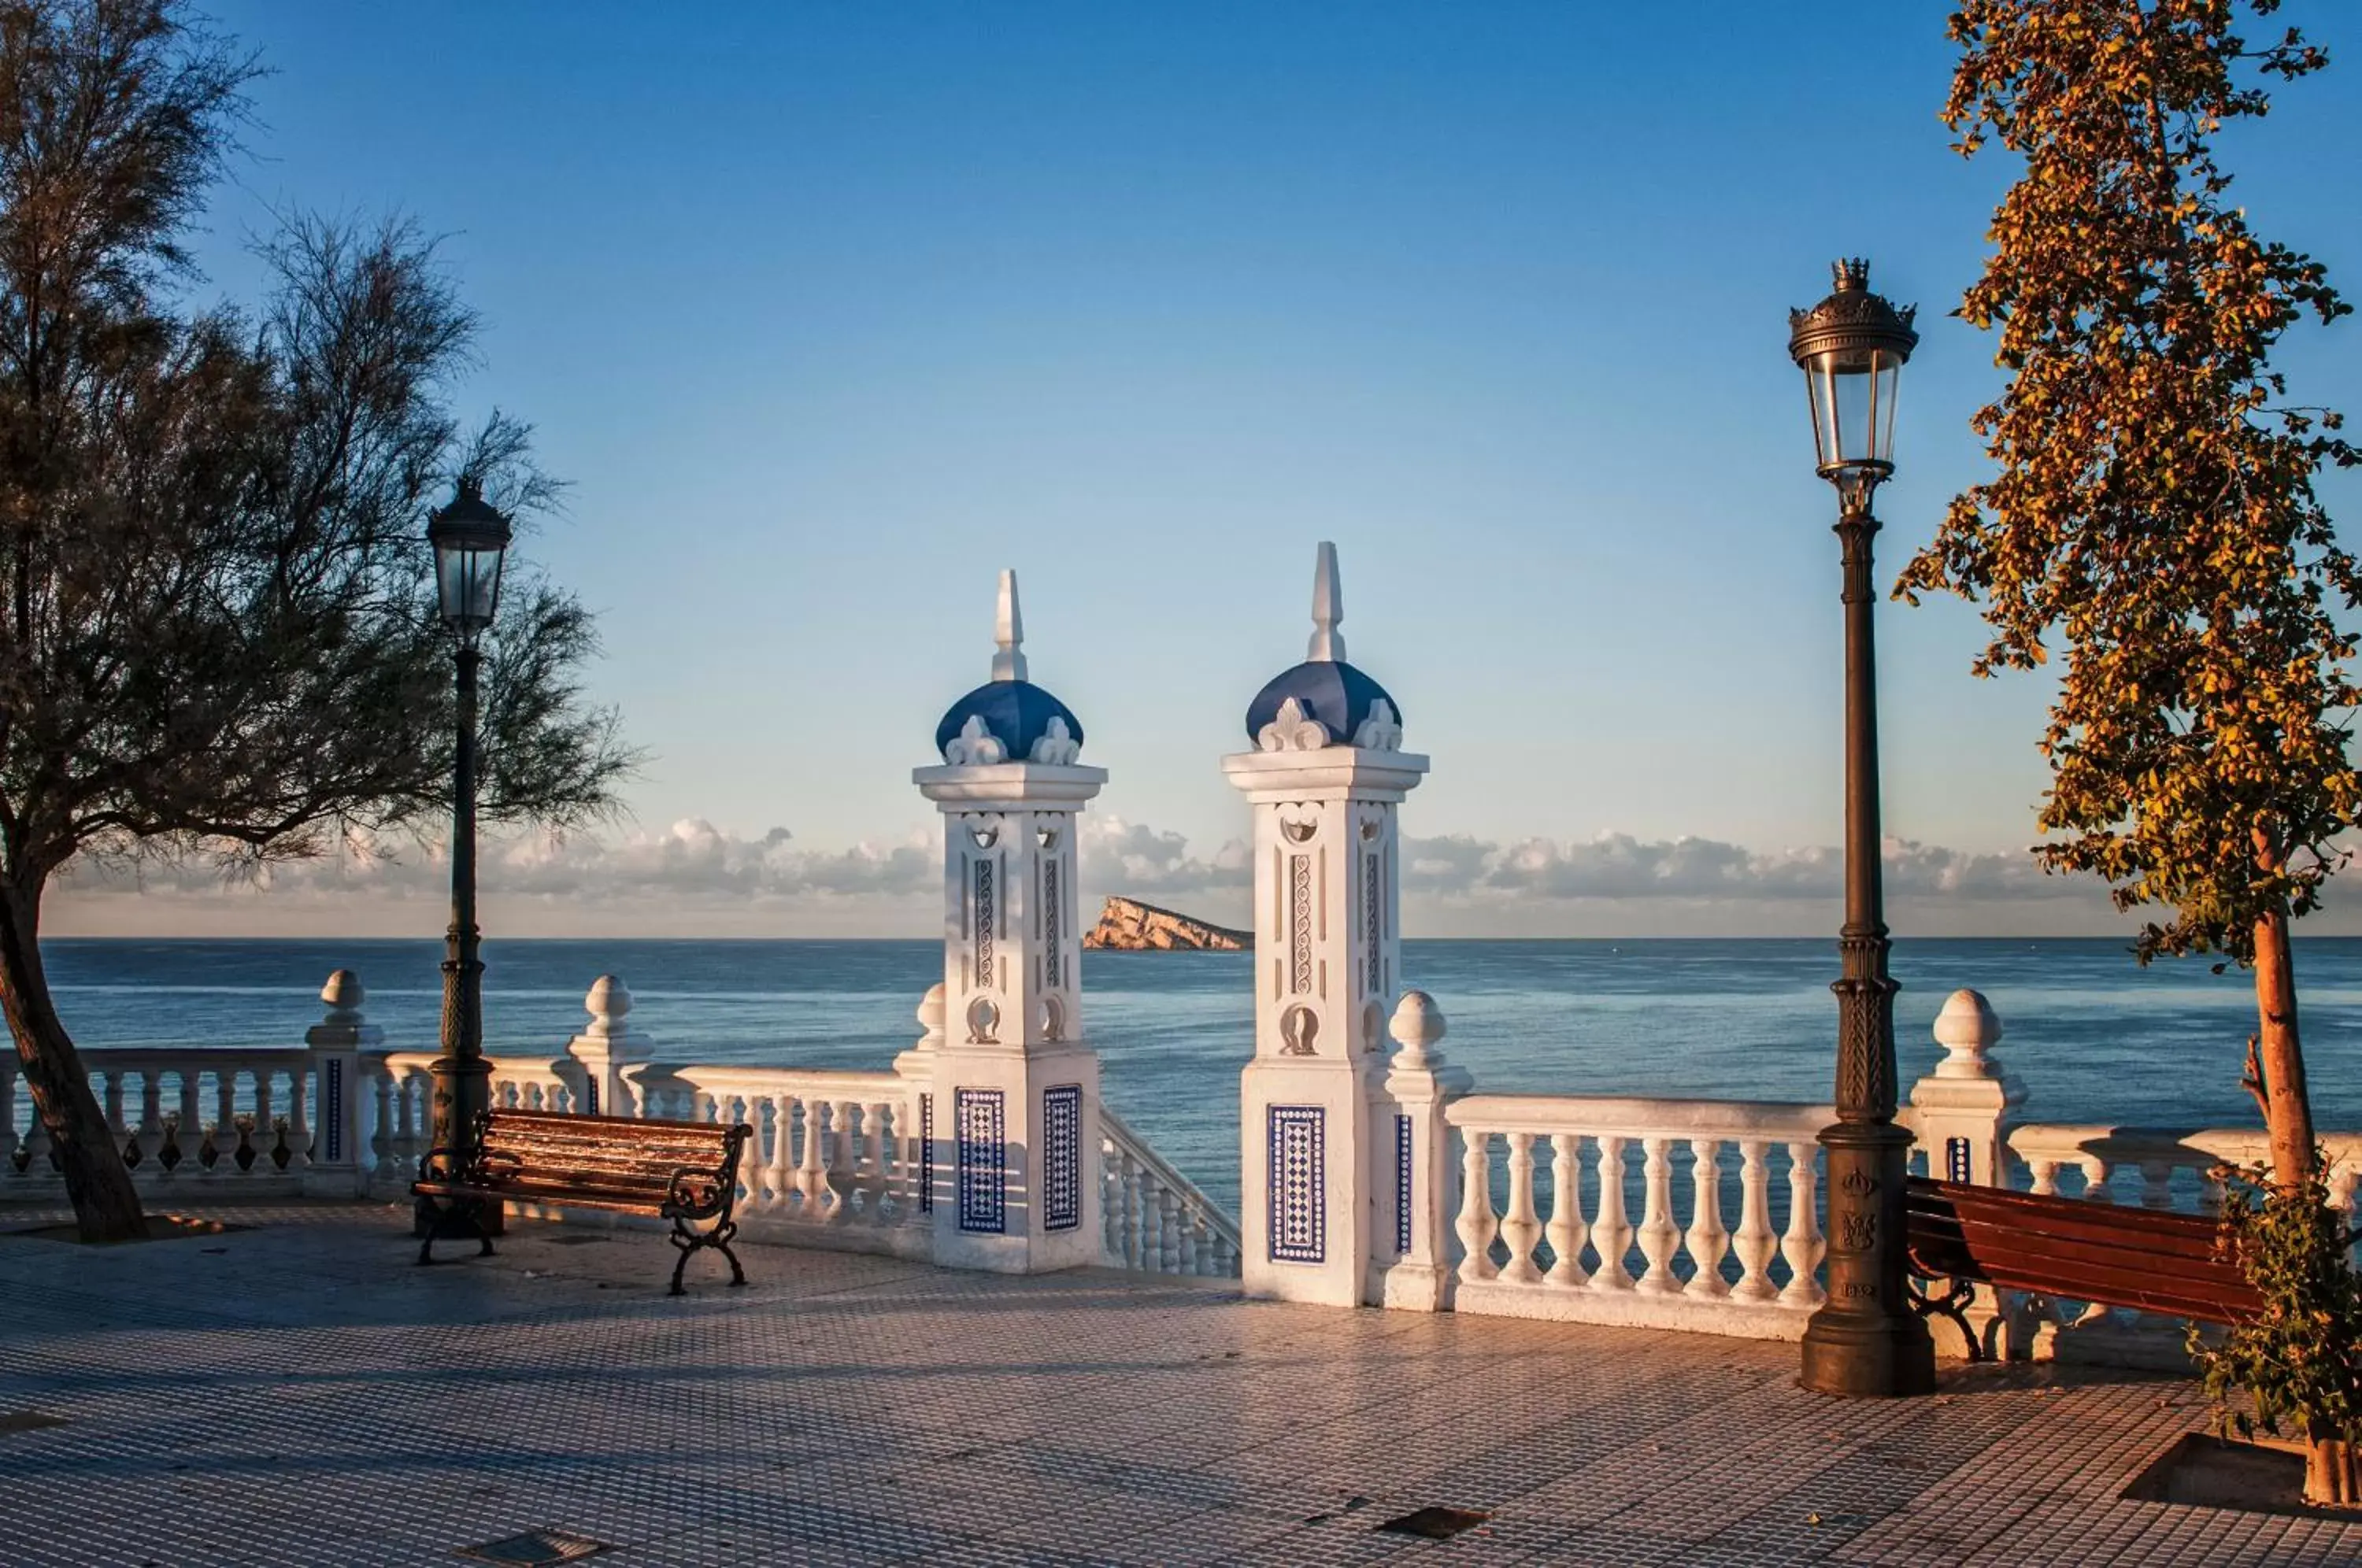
(1952,1304)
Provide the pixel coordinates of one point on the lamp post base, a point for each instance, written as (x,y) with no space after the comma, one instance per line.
(1868,1357)
(1865,1342)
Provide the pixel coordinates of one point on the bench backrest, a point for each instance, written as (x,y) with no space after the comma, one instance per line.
(624,1158)
(2076,1250)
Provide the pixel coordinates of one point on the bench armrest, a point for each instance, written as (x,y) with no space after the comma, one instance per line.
(697,1193)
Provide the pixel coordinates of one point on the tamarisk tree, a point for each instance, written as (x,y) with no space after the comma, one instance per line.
(218,632)
(2156,510)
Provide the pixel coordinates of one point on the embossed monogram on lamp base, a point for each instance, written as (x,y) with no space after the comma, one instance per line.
(1863,1341)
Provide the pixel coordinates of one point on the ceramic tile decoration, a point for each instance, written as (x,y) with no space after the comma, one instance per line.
(982,1161)
(1062,1157)
(1299,1219)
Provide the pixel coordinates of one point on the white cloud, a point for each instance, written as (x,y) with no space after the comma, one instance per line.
(695,878)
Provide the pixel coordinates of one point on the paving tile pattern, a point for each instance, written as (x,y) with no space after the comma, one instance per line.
(296,1392)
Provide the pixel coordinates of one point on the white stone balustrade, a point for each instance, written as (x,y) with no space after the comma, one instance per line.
(1156,1220)
(186,1119)
(1709,1180)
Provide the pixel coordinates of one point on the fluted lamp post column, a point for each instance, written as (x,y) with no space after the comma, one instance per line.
(1864,1341)
(470,539)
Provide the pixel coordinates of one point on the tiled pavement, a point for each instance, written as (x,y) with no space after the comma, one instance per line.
(297,1393)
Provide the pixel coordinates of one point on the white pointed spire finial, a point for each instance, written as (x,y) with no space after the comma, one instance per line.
(1327,609)
(1009,634)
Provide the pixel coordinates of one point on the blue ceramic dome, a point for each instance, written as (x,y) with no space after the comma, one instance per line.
(1330,690)
(1016,712)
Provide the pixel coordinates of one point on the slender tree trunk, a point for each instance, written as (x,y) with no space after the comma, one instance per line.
(2288,1110)
(106,1206)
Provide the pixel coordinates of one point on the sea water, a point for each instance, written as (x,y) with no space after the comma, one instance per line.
(2092,1035)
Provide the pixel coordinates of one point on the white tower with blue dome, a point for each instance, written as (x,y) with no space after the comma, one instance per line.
(1010,1120)
(1324,780)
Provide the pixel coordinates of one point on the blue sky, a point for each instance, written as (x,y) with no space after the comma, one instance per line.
(829,311)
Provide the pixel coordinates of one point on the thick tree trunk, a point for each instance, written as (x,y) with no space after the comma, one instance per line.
(106,1206)
(2332,1474)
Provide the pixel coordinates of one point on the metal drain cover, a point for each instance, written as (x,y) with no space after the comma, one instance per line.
(1434,1523)
(536,1549)
(28,1421)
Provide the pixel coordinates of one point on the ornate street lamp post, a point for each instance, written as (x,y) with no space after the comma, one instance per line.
(470,539)
(1864,1340)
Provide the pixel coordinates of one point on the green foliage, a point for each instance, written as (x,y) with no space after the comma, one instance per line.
(2300,1358)
(2155,507)
(218,629)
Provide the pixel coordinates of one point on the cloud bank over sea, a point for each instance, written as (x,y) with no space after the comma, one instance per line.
(695,880)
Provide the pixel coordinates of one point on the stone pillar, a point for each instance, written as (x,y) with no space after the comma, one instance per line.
(1410,1264)
(1323,783)
(609,1050)
(1012,1109)
(336,1044)
(1962,1110)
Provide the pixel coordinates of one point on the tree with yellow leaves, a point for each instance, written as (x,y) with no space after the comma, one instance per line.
(2155,513)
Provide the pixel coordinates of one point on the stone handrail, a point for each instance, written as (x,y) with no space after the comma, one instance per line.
(1157,1219)
(1712,1217)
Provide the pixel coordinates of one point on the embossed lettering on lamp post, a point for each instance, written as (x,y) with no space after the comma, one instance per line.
(470,538)
(1864,1341)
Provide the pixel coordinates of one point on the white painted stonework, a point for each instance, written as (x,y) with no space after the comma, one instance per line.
(1011,1111)
(1328,962)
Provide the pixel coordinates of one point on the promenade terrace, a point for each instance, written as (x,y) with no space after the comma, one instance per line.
(294,1392)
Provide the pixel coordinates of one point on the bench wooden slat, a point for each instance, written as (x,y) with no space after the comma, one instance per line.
(2074,1249)
(684,1171)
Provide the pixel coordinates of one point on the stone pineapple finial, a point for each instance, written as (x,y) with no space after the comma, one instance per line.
(1416,1024)
(1966,1028)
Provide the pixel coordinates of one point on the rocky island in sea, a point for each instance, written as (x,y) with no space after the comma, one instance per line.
(1128,925)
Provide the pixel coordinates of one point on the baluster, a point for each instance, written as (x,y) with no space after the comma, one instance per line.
(299,1122)
(840,1160)
(1755,1243)
(1193,1244)
(2157,1184)
(1152,1214)
(1476,1224)
(1110,1201)
(1706,1237)
(381,1131)
(1657,1234)
(2095,1180)
(810,1184)
(1131,1203)
(225,1137)
(1169,1229)
(1226,1258)
(1611,1232)
(112,1104)
(1802,1244)
(778,1159)
(1566,1231)
(2045,1172)
(264,1115)
(1519,1227)
(878,1179)
(149,1138)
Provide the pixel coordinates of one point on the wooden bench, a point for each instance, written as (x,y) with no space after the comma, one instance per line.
(2067,1248)
(685,1172)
